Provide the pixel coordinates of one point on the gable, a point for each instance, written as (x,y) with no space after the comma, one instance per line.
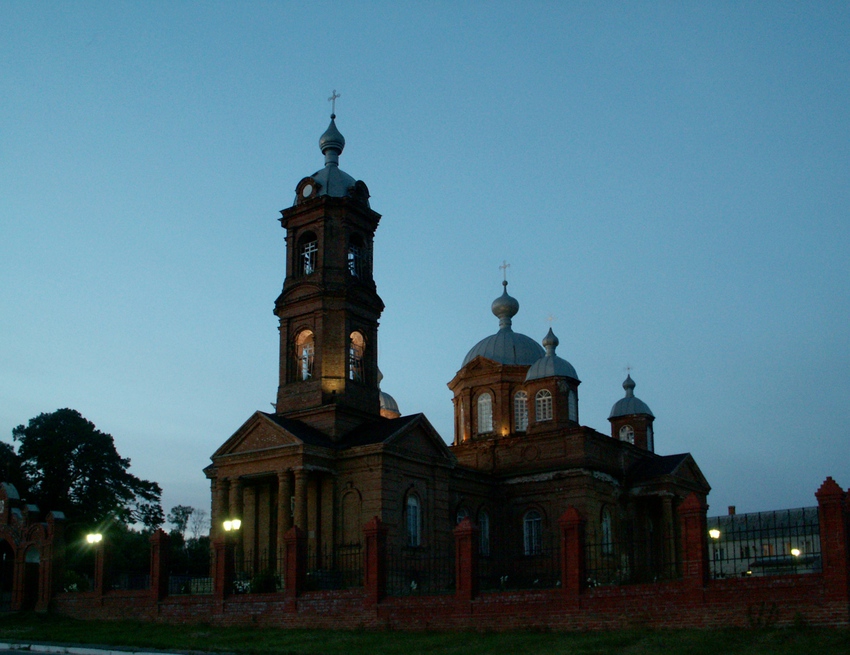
(419,438)
(257,433)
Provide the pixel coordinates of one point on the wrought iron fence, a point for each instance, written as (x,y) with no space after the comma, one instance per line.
(129,581)
(781,542)
(631,560)
(259,573)
(335,567)
(189,585)
(424,570)
(536,566)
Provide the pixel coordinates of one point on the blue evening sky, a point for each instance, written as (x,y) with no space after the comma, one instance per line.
(668,180)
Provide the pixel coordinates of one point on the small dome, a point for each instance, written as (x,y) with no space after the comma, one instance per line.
(388,404)
(506,346)
(630,404)
(332,139)
(550,365)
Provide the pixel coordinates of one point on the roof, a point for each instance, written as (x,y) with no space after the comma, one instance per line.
(550,365)
(630,404)
(656,467)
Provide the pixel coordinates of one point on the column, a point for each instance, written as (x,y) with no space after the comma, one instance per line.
(668,534)
(301,498)
(296,562)
(235,511)
(284,513)
(221,507)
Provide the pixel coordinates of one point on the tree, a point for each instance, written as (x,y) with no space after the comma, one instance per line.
(199,523)
(10,469)
(71,466)
(179,518)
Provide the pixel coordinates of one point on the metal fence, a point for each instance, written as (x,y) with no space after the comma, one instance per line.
(631,560)
(259,573)
(339,567)
(128,581)
(424,570)
(181,585)
(535,566)
(781,542)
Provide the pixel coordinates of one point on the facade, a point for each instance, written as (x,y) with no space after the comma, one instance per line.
(336,451)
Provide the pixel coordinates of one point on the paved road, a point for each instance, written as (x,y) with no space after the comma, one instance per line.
(10,648)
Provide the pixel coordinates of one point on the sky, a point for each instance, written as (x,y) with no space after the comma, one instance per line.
(667,180)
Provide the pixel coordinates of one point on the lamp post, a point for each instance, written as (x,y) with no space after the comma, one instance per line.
(95,540)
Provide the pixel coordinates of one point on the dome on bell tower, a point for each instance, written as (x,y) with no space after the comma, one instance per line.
(331,180)
(550,365)
(630,404)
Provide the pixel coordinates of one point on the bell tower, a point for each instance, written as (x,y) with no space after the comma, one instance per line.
(329,307)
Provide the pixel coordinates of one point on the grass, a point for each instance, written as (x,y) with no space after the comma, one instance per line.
(249,641)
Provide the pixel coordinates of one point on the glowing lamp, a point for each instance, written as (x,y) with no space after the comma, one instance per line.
(232,524)
(714,533)
(795,552)
(94,538)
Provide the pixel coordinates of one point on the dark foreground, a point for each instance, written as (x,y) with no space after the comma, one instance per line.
(28,628)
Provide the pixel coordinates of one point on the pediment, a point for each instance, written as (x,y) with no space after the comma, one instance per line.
(419,438)
(689,473)
(257,433)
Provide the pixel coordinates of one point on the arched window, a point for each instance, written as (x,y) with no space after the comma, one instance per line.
(520,411)
(532,533)
(607,533)
(356,348)
(627,434)
(650,439)
(308,251)
(304,353)
(572,402)
(543,405)
(484,533)
(462,513)
(356,257)
(413,521)
(485,413)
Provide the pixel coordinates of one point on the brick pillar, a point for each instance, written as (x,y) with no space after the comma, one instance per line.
(834,546)
(572,552)
(224,568)
(101,568)
(466,560)
(694,535)
(668,535)
(296,562)
(375,561)
(220,508)
(19,572)
(159,564)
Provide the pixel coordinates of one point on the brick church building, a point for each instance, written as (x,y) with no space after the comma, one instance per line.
(336,451)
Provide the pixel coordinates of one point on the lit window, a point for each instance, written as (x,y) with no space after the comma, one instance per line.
(607,533)
(304,352)
(543,405)
(414,522)
(520,411)
(485,413)
(356,347)
(532,532)
(627,434)
(484,533)
(309,254)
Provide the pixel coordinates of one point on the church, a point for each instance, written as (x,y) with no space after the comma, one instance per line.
(337,451)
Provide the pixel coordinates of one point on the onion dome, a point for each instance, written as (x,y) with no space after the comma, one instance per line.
(550,365)
(506,346)
(631,404)
(389,407)
(332,180)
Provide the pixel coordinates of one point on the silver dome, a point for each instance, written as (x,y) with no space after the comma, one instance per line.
(631,404)
(388,403)
(550,365)
(506,346)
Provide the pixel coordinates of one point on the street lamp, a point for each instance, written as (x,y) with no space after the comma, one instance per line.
(94,538)
(232,524)
(795,552)
(714,533)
